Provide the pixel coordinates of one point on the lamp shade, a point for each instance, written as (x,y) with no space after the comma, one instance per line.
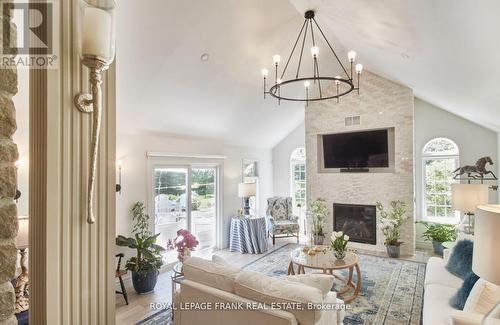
(96,29)
(466,197)
(246,189)
(22,233)
(486,258)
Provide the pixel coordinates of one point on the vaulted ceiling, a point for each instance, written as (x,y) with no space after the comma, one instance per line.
(445,50)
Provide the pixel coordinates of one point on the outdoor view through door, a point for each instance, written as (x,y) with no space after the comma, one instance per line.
(175,208)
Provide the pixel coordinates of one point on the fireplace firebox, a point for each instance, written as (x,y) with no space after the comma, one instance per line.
(357,221)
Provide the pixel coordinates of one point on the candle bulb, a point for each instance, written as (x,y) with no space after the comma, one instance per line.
(276,59)
(265,72)
(314,51)
(359,68)
(97,29)
(307,84)
(351,55)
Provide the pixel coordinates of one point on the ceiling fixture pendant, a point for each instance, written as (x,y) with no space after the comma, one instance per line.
(311,79)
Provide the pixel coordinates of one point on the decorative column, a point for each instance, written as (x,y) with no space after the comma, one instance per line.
(8,183)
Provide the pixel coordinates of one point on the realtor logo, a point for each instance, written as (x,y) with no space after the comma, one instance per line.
(29,45)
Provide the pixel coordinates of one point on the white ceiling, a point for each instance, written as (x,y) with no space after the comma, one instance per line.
(164,87)
(445,50)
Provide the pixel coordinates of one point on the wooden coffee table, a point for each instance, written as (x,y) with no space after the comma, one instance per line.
(326,261)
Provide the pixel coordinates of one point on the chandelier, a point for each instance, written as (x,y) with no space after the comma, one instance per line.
(309,79)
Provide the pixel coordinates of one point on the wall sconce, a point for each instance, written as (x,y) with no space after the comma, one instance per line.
(119,165)
(96,45)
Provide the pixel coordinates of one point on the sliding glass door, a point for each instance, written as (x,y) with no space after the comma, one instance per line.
(177,208)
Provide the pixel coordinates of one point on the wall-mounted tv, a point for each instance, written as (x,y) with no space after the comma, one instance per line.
(360,150)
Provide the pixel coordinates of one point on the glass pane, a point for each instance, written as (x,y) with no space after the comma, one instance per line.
(441,147)
(203,206)
(170,211)
(438,180)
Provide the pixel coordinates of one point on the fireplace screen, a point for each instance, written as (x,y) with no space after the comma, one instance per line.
(357,221)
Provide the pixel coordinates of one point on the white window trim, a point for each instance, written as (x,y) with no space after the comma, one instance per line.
(441,220)
(291,176)
(189,163)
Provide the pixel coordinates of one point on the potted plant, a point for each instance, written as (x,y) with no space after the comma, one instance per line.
(185,243)
(318,212)
(390,224)
(338,244)
(146,264)
(438,234)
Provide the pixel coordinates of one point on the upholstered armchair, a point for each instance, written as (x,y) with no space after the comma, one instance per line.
(281,222)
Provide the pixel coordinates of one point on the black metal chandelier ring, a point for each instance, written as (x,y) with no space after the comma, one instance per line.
(311,34)
(275,90)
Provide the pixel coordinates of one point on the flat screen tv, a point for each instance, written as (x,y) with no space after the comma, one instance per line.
(356,150)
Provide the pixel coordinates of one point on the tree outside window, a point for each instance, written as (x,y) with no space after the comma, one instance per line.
(440,158)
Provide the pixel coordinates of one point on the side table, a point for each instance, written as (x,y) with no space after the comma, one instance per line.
(248,235)
(177,276)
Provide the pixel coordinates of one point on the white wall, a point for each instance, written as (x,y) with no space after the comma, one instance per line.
(281,159)
(131,150)
(473,140)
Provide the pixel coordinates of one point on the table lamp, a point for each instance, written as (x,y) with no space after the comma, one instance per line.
(465,198)
(245,191)
(486,259)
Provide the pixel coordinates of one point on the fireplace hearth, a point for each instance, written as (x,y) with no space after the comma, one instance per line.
(357,221)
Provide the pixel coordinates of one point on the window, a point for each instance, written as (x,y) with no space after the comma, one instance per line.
(440,157)
(298,177)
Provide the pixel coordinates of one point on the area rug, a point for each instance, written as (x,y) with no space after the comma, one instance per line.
(163,317)
(391,292)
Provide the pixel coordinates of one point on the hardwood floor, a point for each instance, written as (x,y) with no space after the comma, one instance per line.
(140,306)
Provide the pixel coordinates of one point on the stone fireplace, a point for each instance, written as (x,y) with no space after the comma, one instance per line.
(359,222)
(381,104)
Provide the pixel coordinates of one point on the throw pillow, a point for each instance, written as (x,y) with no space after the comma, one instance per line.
(459,299)
(483,297)
(460,261)
(323,282)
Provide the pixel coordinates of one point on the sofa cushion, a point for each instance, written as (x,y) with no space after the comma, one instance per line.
(322,282)
(460,262)
(483,297)
(436,273)
(293,297)
(437,310)
(216,275)
(458,300)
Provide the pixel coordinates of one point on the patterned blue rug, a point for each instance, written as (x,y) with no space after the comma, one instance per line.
(163,317)
(391,292)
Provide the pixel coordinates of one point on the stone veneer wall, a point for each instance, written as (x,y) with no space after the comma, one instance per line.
(381,104)
(8,185)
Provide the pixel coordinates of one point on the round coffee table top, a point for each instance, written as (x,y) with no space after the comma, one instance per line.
(323,260)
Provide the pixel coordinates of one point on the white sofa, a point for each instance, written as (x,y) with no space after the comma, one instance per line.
(212,285)
(440,285)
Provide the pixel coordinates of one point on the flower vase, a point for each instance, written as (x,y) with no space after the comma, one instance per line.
(186,252)
(340,255)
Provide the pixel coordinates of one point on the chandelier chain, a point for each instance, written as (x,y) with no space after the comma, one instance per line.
(331,48)
(293,49)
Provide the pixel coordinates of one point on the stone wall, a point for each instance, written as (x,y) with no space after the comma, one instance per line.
(381,104)
(8,185)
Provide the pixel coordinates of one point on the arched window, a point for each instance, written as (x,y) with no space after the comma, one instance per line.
(440,157)
(298,177)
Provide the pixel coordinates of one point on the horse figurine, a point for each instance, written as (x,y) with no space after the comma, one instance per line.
(479,169)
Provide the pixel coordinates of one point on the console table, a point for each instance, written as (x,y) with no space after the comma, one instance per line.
(248,235)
